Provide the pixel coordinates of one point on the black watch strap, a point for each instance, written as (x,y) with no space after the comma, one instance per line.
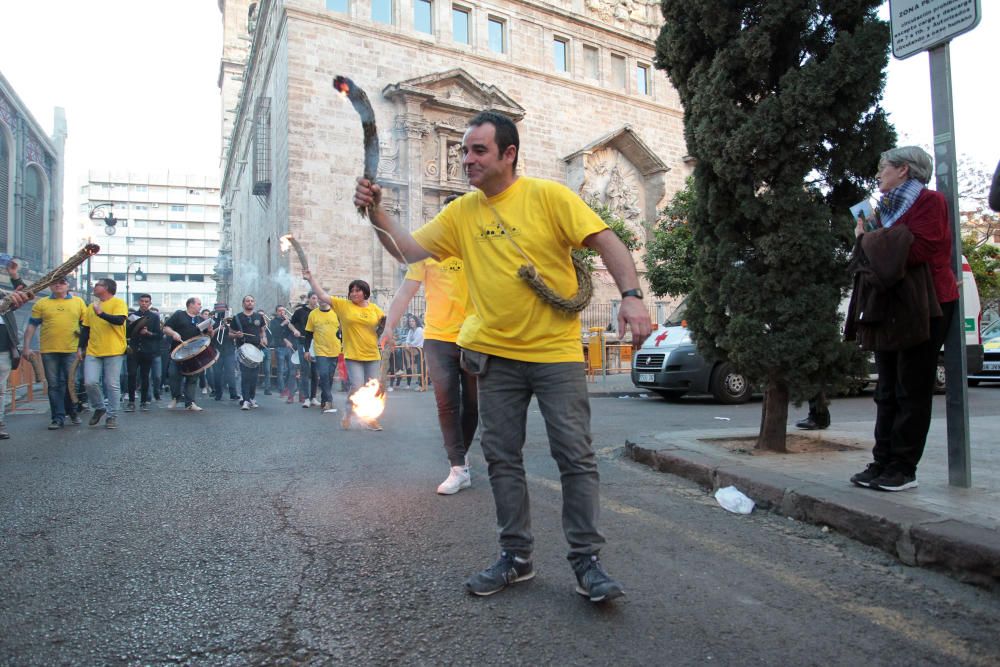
(637,293)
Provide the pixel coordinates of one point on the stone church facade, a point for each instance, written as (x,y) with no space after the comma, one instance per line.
(576,76)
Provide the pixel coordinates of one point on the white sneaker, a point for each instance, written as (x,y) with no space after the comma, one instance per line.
(173,404)
(194,407)
(305,403)
(315,402)
(458,479)
(244,405)
(253,403)
(204,390)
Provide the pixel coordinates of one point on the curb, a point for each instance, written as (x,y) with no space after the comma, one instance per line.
(967,551)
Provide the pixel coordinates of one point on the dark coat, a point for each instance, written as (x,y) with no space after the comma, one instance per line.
(892,303)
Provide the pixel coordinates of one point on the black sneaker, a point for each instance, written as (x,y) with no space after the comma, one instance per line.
(76,420)
(95,418)
(507,570)
(893,480)
(111,422)
(55,425)
(593,582)
(130,407)
(865,477)
(144,407)
(812,424)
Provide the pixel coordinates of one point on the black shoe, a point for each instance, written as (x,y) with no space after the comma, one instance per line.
(111,422)
(865,477)
(507,570)
(130,406)
(811,424)
(95,418)
(55,425)
(75,420)
(267,392)
(4,435)
(593,582)
(144,407)
(893,480)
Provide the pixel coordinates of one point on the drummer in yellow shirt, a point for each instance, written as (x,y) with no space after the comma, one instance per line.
(359,321)
(321,334)
(102,347)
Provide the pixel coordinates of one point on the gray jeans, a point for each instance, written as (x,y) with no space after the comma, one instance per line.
(505,390)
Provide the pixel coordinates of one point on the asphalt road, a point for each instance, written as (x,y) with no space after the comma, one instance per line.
(273,537)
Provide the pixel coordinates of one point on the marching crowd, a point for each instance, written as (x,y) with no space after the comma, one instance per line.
(491,341)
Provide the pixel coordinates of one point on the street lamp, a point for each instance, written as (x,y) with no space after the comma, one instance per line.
(105,212)
(139,275)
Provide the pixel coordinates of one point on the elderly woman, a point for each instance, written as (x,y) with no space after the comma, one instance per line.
(359,321)
(906,369)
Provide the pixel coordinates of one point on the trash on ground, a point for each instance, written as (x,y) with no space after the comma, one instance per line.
(723,419)
(733,500)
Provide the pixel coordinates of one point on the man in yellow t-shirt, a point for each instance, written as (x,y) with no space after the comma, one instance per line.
(321,333)
(102,347)
(359,322)
(446,295)
(59,317)
(518,345)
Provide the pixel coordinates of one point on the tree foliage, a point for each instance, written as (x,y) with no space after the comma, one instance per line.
(781,111)
(984,260)
(670,253)
(617,225)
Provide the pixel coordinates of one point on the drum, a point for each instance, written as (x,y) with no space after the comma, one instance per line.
(249,355)
(195,355)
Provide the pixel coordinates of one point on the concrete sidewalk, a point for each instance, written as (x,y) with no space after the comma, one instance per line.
(935,525)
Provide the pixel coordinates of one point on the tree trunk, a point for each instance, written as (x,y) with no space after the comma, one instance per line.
(774,417)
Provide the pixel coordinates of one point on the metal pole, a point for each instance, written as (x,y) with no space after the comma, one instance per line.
(946,179)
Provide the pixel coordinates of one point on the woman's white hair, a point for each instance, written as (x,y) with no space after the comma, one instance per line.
(916,158)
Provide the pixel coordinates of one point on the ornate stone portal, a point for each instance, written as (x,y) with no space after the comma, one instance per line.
(431,116)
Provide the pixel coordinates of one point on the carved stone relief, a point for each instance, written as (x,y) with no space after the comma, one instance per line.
(388,165)
(613,181)
(454,161)
(622,11)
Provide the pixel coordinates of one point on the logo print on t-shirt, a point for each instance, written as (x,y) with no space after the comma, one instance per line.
(495,232)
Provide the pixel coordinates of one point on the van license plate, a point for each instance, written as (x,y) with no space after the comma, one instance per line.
(987,366)
(648,377)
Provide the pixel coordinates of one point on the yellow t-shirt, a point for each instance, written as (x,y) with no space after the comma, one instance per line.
(106,339)
(547,220)
(358,325)
(60,323)
(324,330)
(447,296)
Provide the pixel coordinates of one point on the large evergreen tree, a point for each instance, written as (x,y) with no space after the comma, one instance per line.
(781,111)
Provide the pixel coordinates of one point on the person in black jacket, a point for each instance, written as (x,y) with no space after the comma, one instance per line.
(995,190)
(10,353)
(144,333)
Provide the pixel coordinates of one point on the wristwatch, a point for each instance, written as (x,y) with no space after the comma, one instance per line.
(637,293)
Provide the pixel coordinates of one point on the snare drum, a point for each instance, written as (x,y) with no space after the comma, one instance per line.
(195,355)
(249,355)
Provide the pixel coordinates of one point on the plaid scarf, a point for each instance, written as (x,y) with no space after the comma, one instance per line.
(898,201)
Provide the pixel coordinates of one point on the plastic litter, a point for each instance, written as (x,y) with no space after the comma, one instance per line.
(733,500)
(723,419)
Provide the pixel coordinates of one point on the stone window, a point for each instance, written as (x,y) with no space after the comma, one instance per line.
(497,34)
(423,13)
(262,147)
(382,11)
(591,62)
(33,216)
(560,54)
(642,79)
(618,71)
(460,24)
(5,185)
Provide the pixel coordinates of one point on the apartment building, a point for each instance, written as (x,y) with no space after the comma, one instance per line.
(165,238)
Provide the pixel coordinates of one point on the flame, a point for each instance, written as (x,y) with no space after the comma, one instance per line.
(284,243)
(340,84)
(367,405)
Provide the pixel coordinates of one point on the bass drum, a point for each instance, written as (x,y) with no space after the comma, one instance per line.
(250,356)
(195,355)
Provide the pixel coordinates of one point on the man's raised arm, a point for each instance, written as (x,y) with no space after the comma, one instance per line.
(369,195)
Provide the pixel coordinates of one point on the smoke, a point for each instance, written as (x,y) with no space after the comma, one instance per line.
(289,283)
